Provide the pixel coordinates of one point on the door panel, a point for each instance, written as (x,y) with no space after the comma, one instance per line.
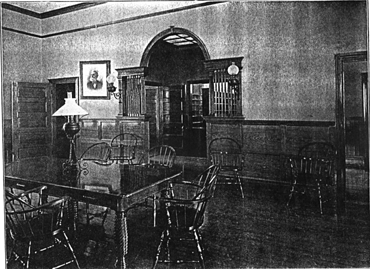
(352,126)
(173,117)
(31,129)
(153,111)
(195,134)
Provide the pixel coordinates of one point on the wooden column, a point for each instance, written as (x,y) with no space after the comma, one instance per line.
(223,101)
(131,83)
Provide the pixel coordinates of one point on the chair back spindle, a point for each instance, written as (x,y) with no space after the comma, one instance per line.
(124,147)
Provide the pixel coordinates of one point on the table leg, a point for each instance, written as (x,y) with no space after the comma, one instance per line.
(121,238)
(155,211)
(72,212)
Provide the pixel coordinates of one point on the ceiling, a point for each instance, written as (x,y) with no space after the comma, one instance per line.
(43,6)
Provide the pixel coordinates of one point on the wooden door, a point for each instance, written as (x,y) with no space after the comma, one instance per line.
(195,125)
(351,120)
(31,128)
(173,117)
(153,111)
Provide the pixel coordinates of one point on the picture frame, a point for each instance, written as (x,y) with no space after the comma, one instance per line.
(93,76)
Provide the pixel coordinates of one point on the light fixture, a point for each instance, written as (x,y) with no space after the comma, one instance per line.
(70,110)
(111,80)
(233,71)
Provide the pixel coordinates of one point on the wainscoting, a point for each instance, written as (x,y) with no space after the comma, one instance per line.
(266,144)
(98,130)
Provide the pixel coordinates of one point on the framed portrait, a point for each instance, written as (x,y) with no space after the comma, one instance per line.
(93,79)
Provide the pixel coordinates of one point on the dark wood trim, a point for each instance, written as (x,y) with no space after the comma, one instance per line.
(233,120)
(153,83)
(130,71)
(21,10)
(219,120)
(52,13)
(290,123)
(21,32)
(340,60)
(129,118)
(69,9)
(223,63)
(155,14)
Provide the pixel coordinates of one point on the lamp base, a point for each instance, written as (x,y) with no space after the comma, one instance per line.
(70,171)
(71,129)
(70,166)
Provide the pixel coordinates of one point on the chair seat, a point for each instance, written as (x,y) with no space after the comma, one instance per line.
(40,227)
(312,169)
(184,205)
(227,153)
(230,169)
(182,217)
(37,231)
(312,180)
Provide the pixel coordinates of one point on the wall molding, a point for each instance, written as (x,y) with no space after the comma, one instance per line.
(140,17)
(243,121)
(51,13)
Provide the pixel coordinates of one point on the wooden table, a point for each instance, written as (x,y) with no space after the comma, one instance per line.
(128,186)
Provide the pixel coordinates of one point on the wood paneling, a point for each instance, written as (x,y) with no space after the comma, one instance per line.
(31,117)
(8,148)
(265,144)
(97,130)
(263,139)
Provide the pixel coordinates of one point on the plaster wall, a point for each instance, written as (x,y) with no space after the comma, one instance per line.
(288,48)
(20,63)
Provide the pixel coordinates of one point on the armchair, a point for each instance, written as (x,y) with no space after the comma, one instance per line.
(313,170)
(38,229)
(227,153)
(124,147)
(184,206)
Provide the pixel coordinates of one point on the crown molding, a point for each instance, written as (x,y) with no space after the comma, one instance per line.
(51,13)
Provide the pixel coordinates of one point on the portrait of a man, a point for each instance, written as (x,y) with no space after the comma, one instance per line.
(94,82)
(93,79)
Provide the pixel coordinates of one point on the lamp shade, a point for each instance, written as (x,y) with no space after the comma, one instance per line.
(233,69)
(111,78)
(70,108)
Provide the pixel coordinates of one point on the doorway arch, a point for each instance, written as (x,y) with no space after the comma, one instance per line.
(177,89)
(172,30)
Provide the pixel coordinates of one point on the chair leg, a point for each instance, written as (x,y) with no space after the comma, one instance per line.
(199,248)
(15,256)
(240,185)
(159,249)
(154,211)
(320,197)
(28,254)
(71,249)
(291,192)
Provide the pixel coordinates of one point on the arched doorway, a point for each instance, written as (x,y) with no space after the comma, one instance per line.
(177,90)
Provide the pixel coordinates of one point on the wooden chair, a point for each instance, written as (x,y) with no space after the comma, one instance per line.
(318,150)
(96,157)
(161,156)
(184,206)
(313,170)
(160,159)
(227,153)
(37,232)
(124,147)
(100,152)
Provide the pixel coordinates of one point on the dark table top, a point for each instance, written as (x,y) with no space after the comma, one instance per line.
(103,182)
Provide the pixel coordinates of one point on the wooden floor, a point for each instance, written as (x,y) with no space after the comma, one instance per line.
(258,231)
